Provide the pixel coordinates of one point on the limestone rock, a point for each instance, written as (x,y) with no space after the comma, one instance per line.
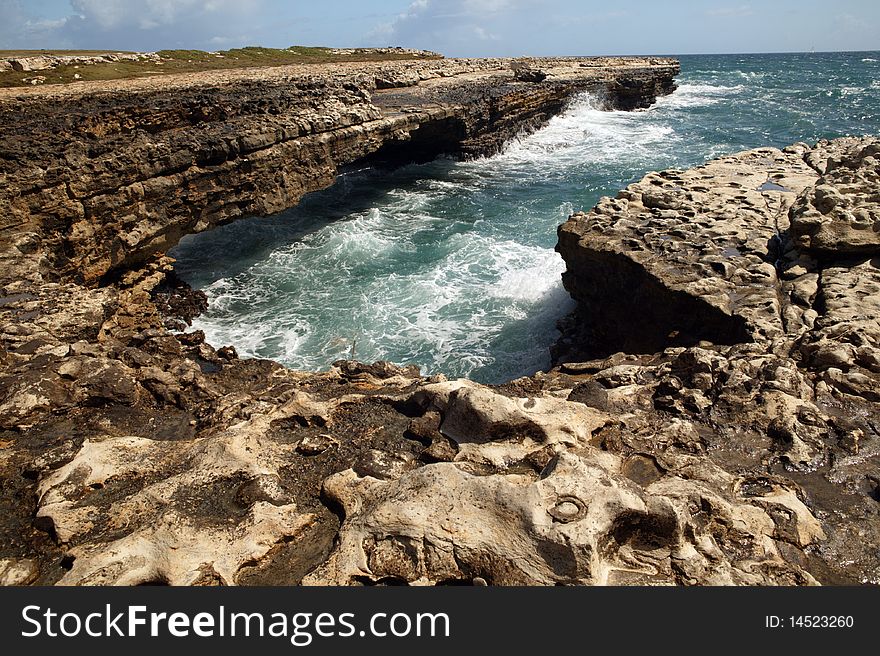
(477,414)
(840,215)
(17,571)
(686,256)
(525,72)
(581,522)
(45,62)
(181,154)
(134,523)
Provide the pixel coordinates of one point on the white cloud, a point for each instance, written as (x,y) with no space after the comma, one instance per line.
(483,35)
(488,6)
(105,13)
(222,41)
(41,24)
(454,23)
(731,12)
(128,25)
(20,28)
(151,14)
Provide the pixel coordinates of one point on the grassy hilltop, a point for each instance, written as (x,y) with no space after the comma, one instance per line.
(189,61)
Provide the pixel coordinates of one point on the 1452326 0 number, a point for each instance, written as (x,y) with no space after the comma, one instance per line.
(821,621)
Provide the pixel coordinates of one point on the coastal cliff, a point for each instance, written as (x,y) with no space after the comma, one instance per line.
(104,175)
(712,419)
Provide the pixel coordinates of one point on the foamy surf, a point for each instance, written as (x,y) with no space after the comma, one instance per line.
(450,265)
(699,95)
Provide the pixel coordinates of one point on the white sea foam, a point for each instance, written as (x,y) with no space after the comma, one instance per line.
(752,75)
(451,265)
(462,297)
(404,280)
(698,95)
(524,273)
(584,134)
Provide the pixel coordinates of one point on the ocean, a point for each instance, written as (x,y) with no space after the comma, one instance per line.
(450,265)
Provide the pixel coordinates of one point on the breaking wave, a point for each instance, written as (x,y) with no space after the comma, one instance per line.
(450,265)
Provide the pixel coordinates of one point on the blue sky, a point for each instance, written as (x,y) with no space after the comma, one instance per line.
(454,27)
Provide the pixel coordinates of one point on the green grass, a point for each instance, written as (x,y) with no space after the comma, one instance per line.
(183,61)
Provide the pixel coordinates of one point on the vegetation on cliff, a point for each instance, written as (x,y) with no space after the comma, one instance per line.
(65,66)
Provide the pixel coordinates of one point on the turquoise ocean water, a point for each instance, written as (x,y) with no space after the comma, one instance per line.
(450,265)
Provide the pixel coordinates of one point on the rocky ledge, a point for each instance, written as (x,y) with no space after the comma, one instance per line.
(101,176)
(746,294)
(736,443)
(43,62)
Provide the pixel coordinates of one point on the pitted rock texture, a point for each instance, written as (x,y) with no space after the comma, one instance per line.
(690,255)
(719,254)
(582,521)
(779,334)
(840,215)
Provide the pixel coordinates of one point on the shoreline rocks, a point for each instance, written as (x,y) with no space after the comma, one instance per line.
(721,430)
(46,62)
(736,251)
(762,295)
(689,256)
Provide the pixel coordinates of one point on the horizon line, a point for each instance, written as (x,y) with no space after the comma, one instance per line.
(630,54)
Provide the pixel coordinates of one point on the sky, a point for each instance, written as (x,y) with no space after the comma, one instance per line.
(456,28)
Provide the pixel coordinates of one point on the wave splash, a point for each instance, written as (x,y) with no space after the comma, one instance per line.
(450,265)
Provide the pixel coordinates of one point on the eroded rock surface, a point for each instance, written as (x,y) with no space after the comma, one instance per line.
(582,520)
(771,304)
(693,254)
(840,215)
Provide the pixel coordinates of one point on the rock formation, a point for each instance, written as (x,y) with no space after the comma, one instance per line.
(714,423)
(105,175)
(750,288)
(45,62)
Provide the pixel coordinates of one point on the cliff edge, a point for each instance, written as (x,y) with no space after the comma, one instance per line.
(102,175)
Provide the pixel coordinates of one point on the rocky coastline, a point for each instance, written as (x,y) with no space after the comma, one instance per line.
(108,174)
(712,418)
